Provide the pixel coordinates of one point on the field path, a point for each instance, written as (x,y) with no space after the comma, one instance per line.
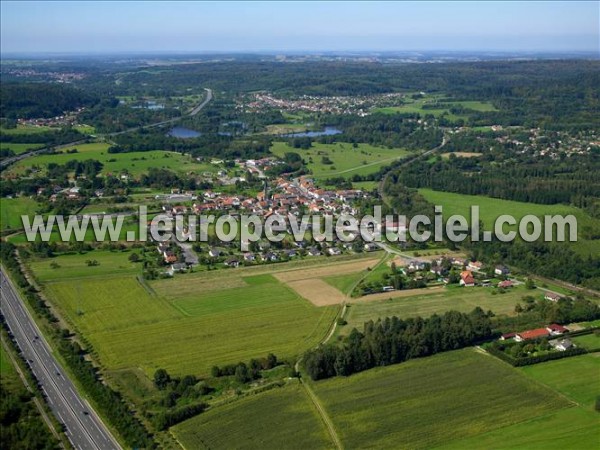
(324,416)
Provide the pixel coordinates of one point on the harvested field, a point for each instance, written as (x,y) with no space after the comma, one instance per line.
(334,269)
(309,283)
(317,291)
(399,294)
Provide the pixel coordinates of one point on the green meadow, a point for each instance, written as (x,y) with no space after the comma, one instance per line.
(432,401)
(491,208)
(19,148)
(279,418)
(455,298)
(345,159)
(427,105)
(223,319)
(11,210)
(578,380)
(134,163)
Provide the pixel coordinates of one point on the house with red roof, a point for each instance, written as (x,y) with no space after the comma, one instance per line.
(532,334)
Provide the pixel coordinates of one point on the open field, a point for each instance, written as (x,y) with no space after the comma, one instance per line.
(491,208)
(346,160)
(427,402)
(412,106)
(186,331)
(27,129)
(279,418)
(19,148)
(74,266)
(566,428)
(11,210)
(134,163)
(578,427)
(461,154)
(309,283)
(424,303)
(577,377)
(588,341)
(129,224)
(198,281)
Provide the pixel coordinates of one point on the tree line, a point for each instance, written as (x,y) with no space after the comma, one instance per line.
(393,340)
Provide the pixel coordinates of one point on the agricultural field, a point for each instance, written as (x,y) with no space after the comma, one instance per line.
(279,418)
(577,427)
(134,163)
(412,106)
(27,129)
(129,225)
(575,377)
(183,327)
(74,266)
(428,402)
(11,210)
(589,341)
(424,303)
(19,148)
(345,159)
(491,208)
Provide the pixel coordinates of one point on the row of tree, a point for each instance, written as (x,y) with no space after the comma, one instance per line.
(393,340)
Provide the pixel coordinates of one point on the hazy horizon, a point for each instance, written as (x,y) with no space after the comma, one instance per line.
(292,27)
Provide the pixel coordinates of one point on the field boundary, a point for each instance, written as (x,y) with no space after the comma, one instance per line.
(324,416)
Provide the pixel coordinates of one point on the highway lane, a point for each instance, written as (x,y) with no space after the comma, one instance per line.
(83,427)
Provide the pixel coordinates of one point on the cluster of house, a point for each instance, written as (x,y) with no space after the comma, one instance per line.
(315,104)
(286,197)
(553,330)
(68,118)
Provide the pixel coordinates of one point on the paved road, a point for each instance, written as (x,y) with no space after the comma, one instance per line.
(192,113)
(83,427)
(8,161)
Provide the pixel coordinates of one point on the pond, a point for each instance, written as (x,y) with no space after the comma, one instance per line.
(328,131)
(150,105)
(183,133)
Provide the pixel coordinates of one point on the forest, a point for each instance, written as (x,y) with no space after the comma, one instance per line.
(35,100)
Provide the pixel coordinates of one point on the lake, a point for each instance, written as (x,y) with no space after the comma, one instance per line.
(328,131)
(183,133)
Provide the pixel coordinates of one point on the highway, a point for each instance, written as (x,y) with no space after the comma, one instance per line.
(83,427)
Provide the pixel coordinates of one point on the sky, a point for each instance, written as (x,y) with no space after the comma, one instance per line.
(229,26)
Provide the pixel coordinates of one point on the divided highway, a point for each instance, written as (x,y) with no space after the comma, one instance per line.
(83,427)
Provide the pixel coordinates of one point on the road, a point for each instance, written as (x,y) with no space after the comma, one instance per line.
(192,113)
(83,427)
(209,95)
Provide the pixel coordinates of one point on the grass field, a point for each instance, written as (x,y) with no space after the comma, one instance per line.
(347,160)
(491,208)
(579,427)
(427,402)
(11,210)
(185,331)
(279,418)
(74,266)
(416,106)
(577,377)
(428,303)
(135,163)
(27,129)
(588,341)
(129,224)
(19,148)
